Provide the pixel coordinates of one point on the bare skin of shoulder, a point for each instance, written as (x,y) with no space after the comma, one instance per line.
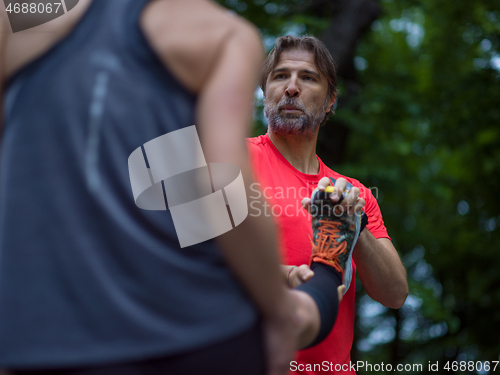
(23,47)
(198,29)
(189,36)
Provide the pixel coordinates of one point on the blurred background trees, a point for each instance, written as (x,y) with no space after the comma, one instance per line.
(419,121)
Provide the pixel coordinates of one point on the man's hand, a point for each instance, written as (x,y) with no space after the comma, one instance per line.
(378,263)
(352,203)
(296,276)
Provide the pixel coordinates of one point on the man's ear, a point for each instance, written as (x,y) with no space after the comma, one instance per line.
(331,101)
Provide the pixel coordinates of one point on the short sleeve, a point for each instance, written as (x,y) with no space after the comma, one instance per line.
(375,221)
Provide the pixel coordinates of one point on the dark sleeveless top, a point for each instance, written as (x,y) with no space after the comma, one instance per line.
(87,277)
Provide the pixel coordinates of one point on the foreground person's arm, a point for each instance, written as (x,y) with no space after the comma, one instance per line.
(222,66)
(250,249)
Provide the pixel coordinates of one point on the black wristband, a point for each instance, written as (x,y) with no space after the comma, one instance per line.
(364,221)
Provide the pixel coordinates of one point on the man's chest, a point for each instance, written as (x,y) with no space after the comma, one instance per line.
(284,192)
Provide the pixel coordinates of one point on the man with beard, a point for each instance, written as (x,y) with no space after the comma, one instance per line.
(300,91)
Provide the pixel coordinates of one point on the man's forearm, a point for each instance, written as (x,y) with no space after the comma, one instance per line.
(381,271)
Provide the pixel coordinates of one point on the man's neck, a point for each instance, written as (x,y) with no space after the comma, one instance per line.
(298,150)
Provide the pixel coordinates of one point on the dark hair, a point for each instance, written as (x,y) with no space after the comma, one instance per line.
(322,58)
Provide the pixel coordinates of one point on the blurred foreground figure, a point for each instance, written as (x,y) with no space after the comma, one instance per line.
(89,282)
(300,91)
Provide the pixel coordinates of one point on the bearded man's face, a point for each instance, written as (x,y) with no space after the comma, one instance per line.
(296,98)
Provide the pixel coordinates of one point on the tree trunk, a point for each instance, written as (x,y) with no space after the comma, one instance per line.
(347,26)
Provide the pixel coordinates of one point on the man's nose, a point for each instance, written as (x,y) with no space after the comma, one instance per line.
(292,89)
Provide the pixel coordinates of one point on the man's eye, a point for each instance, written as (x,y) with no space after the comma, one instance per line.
(280,76)
(309,78)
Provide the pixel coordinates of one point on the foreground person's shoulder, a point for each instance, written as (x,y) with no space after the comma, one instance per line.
(190,35)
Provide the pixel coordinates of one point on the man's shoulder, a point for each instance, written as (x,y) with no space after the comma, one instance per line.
(258,145)
(261,154)
(259,141)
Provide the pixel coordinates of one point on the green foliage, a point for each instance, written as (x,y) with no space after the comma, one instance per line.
(427,134)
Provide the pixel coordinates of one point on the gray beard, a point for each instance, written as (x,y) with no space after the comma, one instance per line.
(305,123)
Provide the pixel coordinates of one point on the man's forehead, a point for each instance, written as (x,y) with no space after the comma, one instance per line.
(296,58)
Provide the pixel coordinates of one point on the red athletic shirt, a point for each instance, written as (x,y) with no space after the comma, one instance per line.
(284,187)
